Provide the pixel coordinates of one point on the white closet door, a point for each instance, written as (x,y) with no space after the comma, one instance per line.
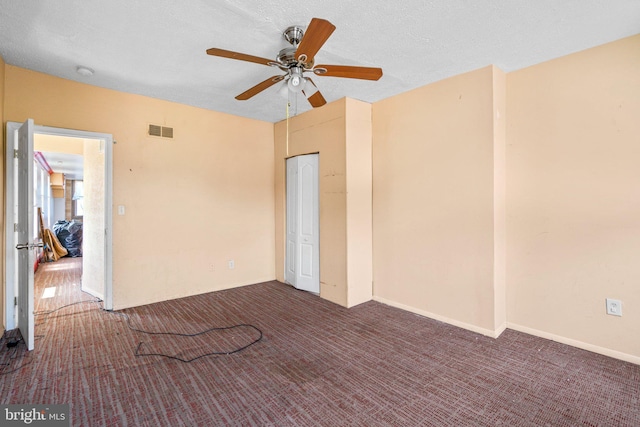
(303,237)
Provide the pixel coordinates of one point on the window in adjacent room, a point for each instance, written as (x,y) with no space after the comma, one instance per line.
(77,199)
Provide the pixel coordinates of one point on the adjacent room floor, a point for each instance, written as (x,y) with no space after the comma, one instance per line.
(315,364)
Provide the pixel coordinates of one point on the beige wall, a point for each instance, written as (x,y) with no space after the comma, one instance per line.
(58,144)
(573,198)
(2,225)
(192,203)
(358,128)
(340,133)
(93,224)
(433,200)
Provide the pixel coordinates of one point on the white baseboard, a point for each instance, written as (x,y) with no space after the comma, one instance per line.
(575,343)
(454,322)
(508,325)
(500,330)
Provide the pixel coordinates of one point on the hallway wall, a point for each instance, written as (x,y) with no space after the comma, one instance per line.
(93,220)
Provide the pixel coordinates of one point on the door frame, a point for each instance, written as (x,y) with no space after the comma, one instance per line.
(10,199)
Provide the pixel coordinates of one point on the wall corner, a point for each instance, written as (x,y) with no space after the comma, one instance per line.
(358,143)
(499,199)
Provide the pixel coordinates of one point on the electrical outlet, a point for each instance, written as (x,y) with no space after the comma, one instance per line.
(614,307)
(232,264)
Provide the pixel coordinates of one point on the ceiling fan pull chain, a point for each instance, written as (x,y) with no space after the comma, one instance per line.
(288,104)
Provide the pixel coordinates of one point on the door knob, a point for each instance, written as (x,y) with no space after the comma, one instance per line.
(29,245)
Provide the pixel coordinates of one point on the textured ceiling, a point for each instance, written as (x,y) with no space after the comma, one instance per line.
(157,47)
(71,165)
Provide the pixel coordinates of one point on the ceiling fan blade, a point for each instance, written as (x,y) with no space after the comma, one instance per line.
(259,88)
(239,56)
(365,73)
(317,33)
(316,99)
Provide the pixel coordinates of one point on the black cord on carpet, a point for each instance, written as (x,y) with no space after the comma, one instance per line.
(137,352)
(96,299)
(17,369)
(178,334)
(213,353)
(14,341)
(39,313)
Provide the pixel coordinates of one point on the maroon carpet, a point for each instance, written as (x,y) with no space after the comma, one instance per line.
(316,364)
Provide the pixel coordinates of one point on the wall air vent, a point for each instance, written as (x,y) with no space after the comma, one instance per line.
(155,130)
(167,132)
(161,131)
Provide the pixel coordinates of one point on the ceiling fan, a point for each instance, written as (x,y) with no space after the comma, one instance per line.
(299,59)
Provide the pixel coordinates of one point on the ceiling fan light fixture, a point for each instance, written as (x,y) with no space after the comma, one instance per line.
(296,81)
(284,90)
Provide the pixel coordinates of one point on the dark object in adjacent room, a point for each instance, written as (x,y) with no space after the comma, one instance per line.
(69,233)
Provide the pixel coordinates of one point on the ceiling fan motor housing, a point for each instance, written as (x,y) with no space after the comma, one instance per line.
(287,57)
(293,35)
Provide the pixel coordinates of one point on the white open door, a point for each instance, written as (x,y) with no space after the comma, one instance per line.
(17,278)
(303,237)
(26,245)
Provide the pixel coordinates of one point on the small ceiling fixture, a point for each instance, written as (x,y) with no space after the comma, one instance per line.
(84,71)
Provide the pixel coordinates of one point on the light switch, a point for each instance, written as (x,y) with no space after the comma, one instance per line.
(120,209)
